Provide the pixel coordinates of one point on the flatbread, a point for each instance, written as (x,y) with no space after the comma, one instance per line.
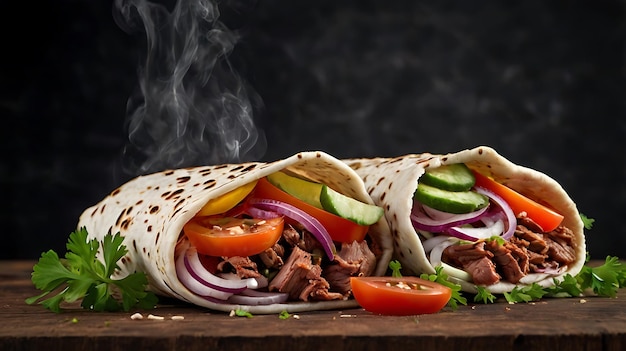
(150,211)
(391,182)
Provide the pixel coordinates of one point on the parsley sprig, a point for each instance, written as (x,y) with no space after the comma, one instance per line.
(604,281)
(396,269)
(442,278)
(527,293)
(80,275)
(483,295)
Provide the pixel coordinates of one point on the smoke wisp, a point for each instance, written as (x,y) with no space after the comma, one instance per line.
(191,106)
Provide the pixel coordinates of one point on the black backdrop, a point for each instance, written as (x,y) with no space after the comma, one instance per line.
(540,81)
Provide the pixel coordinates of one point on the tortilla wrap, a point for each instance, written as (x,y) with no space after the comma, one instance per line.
(149,212)
(392,182)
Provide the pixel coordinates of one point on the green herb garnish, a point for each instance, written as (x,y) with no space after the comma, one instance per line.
(604,280)
(587,222)
(440,277)
(80,275)
(568,287)
(528,293)
(483,295)
(243,313)
(395,267)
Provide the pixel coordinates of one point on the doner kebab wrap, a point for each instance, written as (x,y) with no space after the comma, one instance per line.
(232,237)
(487,221)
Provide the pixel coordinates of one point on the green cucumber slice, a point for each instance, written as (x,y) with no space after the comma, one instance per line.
(450,201)
(302,189)
(349,208)
(453,177)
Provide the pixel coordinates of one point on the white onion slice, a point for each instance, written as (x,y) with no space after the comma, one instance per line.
(511,221)
(261,281)
(437,251)
(195,286)
(435,260)
(254,297)
(476,233)
(430,244)
(456,272)
(534,277)
(207,278)
(309,222)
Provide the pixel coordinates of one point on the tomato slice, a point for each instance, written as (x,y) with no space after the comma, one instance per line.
(340,229)
(400,296)
(228,236)
(545,217)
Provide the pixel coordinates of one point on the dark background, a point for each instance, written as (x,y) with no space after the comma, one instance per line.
(540,81)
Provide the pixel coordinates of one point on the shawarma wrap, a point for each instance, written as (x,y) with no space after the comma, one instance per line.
(424,238)
(153,211)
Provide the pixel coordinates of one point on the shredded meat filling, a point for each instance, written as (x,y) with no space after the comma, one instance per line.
(301,279)
(243,266)
(475,260)
(510,260)
(354,259)
(296,265)
(530,250)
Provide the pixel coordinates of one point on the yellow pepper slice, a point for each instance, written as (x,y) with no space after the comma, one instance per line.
(227,201)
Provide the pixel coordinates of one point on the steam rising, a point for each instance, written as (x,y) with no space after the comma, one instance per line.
(191,107)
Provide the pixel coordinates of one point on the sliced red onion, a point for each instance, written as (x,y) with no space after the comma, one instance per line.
(226,288)
(203,276)
(188,280)
(447,217)
(264,214)
(435,221)
(309,222)
(254,297)
(511,221)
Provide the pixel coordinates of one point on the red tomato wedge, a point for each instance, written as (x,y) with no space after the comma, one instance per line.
(340,229)
(401,296)
(545,217)
(228,236)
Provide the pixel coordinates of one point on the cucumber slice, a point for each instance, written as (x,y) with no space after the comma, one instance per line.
(349,208)
(450,201)
(302,189)
(454,177)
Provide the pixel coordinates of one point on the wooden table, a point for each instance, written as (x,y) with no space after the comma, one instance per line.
(593,323)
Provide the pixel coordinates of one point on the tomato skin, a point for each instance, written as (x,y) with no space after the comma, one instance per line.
(545,217)
(213,241)
(375,296)
(340,229)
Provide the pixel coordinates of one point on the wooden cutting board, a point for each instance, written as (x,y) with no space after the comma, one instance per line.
(592,323)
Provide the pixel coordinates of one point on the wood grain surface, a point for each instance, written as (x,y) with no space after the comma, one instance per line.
(592,323)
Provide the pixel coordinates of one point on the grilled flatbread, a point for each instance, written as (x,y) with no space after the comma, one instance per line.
(392,182)
(151,210)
